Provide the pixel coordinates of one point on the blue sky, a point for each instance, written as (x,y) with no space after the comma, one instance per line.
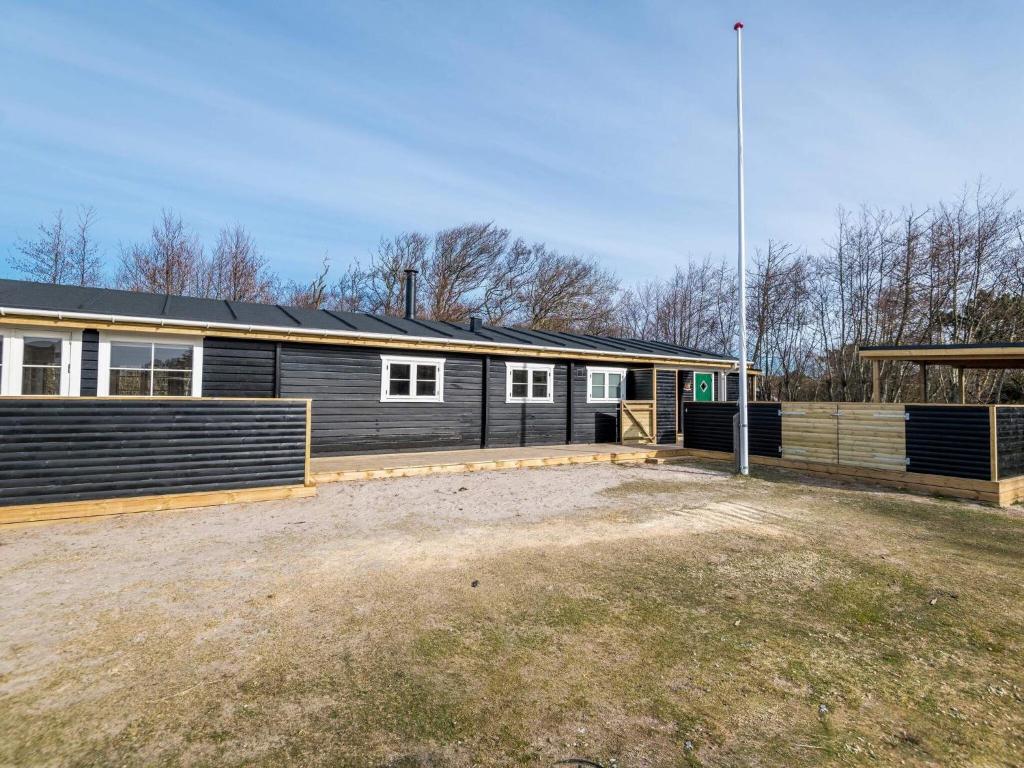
(601,128)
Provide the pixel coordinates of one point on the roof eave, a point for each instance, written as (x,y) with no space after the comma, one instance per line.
(348,337)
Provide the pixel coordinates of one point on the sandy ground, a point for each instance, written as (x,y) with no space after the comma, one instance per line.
(517,617)
(56,578)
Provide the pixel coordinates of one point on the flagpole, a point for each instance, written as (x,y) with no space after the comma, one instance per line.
(741,449)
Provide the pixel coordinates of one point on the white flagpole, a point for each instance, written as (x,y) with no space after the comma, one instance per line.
(744,464)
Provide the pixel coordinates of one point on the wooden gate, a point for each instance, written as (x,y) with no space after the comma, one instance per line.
(637,420)
(872,435)
(809,432)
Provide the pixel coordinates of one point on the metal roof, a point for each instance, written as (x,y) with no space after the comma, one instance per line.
(18,294)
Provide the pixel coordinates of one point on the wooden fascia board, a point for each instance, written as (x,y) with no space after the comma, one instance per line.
(948,356)
(356,340)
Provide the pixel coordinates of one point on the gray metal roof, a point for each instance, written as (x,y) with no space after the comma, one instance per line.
(17,294)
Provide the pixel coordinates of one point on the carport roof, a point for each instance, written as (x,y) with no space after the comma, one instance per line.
(165,308)
(992,355)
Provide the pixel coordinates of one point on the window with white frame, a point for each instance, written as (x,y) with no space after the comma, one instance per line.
(411,379)
(529,383)
(605,385)
(39,361)
(137,366)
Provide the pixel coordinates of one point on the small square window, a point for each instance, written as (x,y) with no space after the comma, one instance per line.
(405,379)
(605,384)
(528,383)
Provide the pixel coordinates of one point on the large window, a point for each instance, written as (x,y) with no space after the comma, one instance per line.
(529,383)
(411,379)
(141,367)
(40,362)
(605,385)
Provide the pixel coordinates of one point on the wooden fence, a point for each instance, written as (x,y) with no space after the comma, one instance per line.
(967,451)
(76,457)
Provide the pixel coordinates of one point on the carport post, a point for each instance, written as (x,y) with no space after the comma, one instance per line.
(876,387)
(924,382)
(961,386)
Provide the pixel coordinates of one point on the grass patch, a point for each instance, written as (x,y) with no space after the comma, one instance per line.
(805,647)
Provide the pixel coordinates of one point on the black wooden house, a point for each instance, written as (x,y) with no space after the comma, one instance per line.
(377,384)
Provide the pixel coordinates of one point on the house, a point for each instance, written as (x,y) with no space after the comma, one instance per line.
(377,384)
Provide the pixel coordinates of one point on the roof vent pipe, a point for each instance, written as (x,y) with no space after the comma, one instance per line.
(410,294)
(475,324)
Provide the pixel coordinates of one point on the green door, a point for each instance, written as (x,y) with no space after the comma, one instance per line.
(703,387)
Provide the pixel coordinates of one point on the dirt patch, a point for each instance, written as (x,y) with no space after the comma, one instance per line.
(657,615)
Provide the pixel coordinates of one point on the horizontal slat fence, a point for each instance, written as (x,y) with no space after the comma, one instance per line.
(709,427)
(872,435)
(1010,432)
(949,440)
(67,450)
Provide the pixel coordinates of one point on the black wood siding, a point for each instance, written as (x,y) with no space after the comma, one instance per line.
(591,422)
(665,405)
(238,368)
(948,440)
(764,429)
(709,427)
(1010,431)
(90,362)
(640,384)
(348,416)
(732,386)
(511,424)
(68,450)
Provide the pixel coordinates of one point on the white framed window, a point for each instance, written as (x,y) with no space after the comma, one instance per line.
(41,361)
(411,379)
(132,365)
(605,385)
(529,383)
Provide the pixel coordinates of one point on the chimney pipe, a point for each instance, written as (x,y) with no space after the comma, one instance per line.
(410,294)
(475,324)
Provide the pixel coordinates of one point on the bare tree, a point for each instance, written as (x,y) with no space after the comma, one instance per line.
(465,259)
(170,262)
(384,281)
(568,293)
(47,258)
(84,261)
(238,271)
(313,295)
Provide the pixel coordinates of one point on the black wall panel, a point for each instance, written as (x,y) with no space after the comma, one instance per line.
(238,368)
(591,422)
(764,429)
(90,361)
(640,384)
(666,403)
(948,440)
(511,424)
(1010,431)
(73,450)
(732,386)
(348,416)
(708,426)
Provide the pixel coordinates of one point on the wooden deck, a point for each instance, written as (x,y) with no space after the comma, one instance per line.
(336,469)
